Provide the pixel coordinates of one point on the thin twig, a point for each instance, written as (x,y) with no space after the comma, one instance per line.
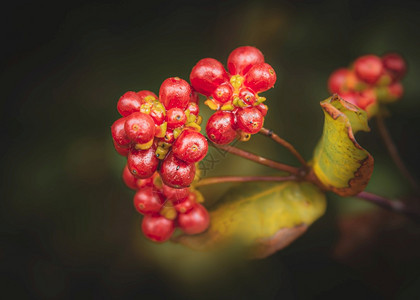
(225,179)
(394,205)
(269,133)
(258,159)
(393,152)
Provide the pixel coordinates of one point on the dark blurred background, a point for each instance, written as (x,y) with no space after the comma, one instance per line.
(68,226)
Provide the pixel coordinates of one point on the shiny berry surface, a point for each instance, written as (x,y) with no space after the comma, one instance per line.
(144,94)
(260,77)
(368,68)
(185,204)
(175,92)
(147,200)
(118,133)
(223,92)
(175,118)
(129,103)
(243,58)
(142,163)
(195,220)
(139,127)
(191,146)
(129,179)
(249,119)
(175,195)
(157,228)
(193,108)
(220,129)
(177,173)
(207,75)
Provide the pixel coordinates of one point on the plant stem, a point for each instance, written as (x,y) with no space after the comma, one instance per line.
(284,143)
(223,179)
(393,152)
(258,159)
(394,205)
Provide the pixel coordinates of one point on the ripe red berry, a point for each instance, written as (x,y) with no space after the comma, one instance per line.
(169,136)
(220,128)
(129,103)
(193,108)
(260,77)
(186,204)
(191,146)
(143,94)
(175,118)
(395,64)
(194,221)
(337,80)
(118,133)
(368,68)
(207,75)
(351,97)
(243,58)
(142,163)
(176,173)
(262,108)
(157,228)
(175,92)
(141,183)
(194,96)
(396,90)
(175,195)
(140,127)
(147,200)
(250,119)
(129,179)
(223,92)
(366,98)
(121,150)
(247,95)
(158,116)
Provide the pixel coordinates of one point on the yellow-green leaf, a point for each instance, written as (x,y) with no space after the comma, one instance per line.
(339,162)
(262,217)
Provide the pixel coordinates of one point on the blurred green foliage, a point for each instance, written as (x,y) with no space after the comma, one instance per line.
(68,225)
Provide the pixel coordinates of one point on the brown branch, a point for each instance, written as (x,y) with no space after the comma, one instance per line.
(258,159)
(269,133)
(225,179)
(393,152)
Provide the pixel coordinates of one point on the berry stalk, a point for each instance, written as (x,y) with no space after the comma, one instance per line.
(269,133)
(224,179)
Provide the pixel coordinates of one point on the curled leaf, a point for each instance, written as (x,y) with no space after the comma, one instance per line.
(260,217)
(339,162)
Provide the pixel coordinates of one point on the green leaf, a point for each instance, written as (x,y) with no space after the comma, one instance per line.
(339,162)
(260,217)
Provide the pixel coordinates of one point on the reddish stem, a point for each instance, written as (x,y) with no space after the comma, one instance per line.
(224,179)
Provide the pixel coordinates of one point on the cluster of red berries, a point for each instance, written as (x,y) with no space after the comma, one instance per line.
(369,80)
(160,136)
(234,94)
(166,208)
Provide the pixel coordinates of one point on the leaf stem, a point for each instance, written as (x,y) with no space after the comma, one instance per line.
(269,133)
(393,152)
(394,205)
(258,159)
(225,179)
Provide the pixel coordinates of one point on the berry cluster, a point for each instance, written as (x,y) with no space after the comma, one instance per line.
(160,136)
(369,80)
(234,95)
(165,208)
(161,133)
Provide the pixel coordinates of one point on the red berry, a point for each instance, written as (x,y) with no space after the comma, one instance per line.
(118,133)
(396,90)
(175,118)
(207,75)
(122,150)
(247,95)
(186,204)
(147,200)
(191,146)
(194,96)
(337,80)
(142,163)
(368,68)
(129,179)
(175,92)
(263,109)
(140,127)
(243,58)
(169,136)
(260,77)
(194,221)
(158,116)
(395,64)
(250,119)
(223,92)
(175,195)
(351,97)
(157,228)
(176,173)
(220,128)
(129,103)
(141,183)
(143,94)
(193,108)
(366,98)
